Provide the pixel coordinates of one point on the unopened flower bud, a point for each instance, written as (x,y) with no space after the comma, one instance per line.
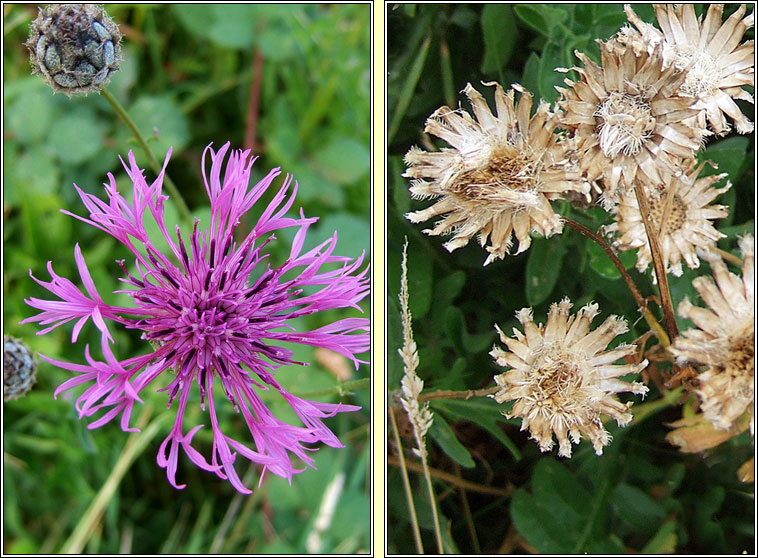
(19,368)
(74,47)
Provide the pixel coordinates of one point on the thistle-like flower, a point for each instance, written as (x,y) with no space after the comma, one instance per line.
(216,313)
(74,47)
(19,368)
(716,63)
(680,214)
(562,379)
(724,340)
(500,175)
(628,118)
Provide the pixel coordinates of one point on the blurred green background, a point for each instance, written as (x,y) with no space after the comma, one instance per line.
(186,80)
(642,495)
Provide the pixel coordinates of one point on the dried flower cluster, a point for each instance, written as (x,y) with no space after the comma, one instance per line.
(625,131)
(639,116)
(562,379)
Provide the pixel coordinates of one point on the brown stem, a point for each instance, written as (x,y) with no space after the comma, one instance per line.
(663,339)
(449,394)
(253,101)
(660,269)
(452,479)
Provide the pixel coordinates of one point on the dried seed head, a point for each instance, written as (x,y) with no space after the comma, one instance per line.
(724,339)
(562,379)
(19,368)
(74,47)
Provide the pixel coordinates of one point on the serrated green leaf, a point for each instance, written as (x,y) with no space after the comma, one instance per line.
(441,432)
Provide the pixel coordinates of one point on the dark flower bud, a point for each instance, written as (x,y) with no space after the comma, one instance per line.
(74,47)
(19,368)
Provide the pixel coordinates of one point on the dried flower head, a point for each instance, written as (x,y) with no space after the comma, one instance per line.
(19,368)
(217,314)
(74,47)
(563,379)
(679,211)
(628,118)
(499,176)
(716,63)
(724,340)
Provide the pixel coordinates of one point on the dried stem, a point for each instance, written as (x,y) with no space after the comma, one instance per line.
(450,394)
(655,327)
(452,479)
(660,268)
(420,416)
(400,460)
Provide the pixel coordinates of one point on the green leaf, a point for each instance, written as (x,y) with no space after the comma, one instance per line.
(343,160)
(161,116)
(353,234)
(540,17)
(560,515)
(76,137)
(483,411)
(600,262)
(441,432)
(636,508)
(728,154)
(543,269)
(29,116)
(500,36)
(664,541)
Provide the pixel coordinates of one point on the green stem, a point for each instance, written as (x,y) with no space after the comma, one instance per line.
(173,190)
(134,446)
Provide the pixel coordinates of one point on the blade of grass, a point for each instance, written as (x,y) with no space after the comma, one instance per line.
(134,446)
(409,87)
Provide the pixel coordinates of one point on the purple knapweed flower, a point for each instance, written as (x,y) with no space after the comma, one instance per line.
(216,312)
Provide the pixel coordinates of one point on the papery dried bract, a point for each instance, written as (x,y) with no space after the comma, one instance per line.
(562,379)
(498,178)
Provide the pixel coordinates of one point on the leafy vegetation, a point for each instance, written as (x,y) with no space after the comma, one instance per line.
(189,77)
(496,492)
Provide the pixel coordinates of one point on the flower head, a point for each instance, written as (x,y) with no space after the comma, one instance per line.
(19,368)
(216,313)
(628,118)
(724,339)
(679,211)
(716,63)
(499,176)
(563,379)
(74,47)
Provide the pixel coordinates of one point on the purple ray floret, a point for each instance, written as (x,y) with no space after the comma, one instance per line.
(215,312)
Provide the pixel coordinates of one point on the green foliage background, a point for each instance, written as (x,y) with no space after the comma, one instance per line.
(641,495)
(185,80)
